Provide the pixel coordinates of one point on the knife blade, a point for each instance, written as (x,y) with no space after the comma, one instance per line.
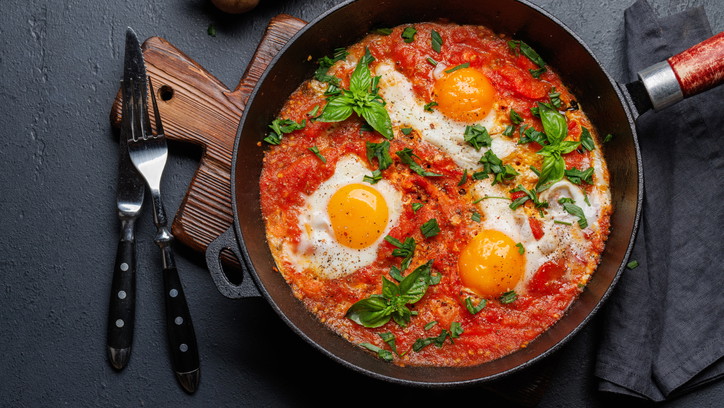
(129,201)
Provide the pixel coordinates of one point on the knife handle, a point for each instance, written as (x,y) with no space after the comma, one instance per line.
(180,330)
(122,306)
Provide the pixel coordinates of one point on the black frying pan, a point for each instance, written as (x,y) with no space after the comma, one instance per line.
(608,105)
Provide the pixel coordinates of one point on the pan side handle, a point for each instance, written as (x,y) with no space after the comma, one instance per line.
(246,288)
(693,71)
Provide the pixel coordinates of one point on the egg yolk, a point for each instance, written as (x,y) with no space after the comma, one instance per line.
(465,95)
(358,214)
(491,264)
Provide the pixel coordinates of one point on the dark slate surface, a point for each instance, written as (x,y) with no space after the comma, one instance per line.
(60,63)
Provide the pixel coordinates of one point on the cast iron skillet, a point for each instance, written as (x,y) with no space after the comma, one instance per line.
(602,99)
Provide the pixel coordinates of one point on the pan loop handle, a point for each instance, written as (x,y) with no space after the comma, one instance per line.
(246,288)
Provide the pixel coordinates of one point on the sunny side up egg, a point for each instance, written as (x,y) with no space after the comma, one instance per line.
(344,221)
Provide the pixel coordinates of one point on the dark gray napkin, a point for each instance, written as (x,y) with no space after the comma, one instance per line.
(663,325)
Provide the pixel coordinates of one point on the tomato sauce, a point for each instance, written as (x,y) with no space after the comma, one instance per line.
(291,172)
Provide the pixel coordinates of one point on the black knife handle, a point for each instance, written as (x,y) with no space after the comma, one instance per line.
(181,336)
(122,306)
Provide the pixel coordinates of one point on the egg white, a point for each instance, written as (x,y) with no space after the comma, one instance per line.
(318,250)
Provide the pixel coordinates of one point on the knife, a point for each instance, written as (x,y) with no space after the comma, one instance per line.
(129,200)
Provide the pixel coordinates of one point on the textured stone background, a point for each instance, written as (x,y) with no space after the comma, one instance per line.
(60,63)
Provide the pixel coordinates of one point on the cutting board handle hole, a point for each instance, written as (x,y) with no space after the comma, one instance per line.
(165,93)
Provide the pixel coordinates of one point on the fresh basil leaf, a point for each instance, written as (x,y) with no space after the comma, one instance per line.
(381,353)
(390,290)
(361,79)
(554,123)
(414,286)
(477,136)
(552,171)
(529,195)
(416,206)
(396,274)
(475,309)
(574,210)
(337,109)
(406,156)
(515,117)
(273,138)
(408,34)
(457,67)
(401,315)
(576,176)
(586,139)
(373,311)
(404,250)
(430,228)
(374,178)
(280,127)
(376,115)
(315,150)
(508,297)
(568,146)
(435,40)
(313,113)
(529,134)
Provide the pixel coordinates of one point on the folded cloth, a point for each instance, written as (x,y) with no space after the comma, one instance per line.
(663,326)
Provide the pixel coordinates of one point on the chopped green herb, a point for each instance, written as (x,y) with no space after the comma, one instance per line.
(325,63)
(382,31)
(574,210)
(432,61)
(430,325)
(430,228)
(475,216)
(555,97)
(576,176)
(515,117)
(396,273)
(455,331)
(406,156)
(374,178)
(435,40)
(313,113)
(586,139)
(381,353)
(509,131)
(529,195)
(211,30)
(416,206)
(428,107)
(525,49)
(561,222)
(633,264)
(536,73)
(464,178)
(408,34)
(381,152)
(508,297)
(280,127)
(475,309)
(477,136)
(529,134)
(493,165)
(389,338)
(406,131)
(607,138)
(521,250)
(362,99)
(404,250)
(457,67)
(315,150)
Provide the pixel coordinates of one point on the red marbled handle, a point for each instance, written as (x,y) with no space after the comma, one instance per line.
(701,67)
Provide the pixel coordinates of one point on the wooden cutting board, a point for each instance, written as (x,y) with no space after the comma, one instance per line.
(197,108)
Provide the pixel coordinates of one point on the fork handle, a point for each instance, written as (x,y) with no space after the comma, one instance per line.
(122,306)
(180,330)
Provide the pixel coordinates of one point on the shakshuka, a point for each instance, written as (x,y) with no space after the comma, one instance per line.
(435,194)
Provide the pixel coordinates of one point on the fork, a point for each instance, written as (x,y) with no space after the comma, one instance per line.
(149,152)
